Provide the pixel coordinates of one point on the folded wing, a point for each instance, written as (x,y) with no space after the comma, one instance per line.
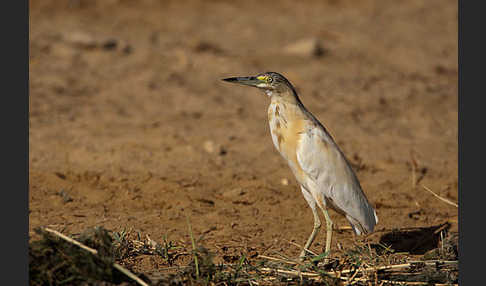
(329,176)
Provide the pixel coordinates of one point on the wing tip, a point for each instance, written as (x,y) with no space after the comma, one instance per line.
(365,228)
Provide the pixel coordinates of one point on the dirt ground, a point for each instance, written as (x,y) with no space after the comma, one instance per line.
(132,128)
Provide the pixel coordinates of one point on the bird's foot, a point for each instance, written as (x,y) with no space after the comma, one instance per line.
(304,255)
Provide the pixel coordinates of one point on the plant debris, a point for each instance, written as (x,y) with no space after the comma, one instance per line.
(57,262)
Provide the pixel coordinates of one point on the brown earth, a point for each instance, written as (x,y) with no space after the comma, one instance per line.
(132,128)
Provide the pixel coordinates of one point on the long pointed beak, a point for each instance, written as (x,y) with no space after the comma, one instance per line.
(244,80)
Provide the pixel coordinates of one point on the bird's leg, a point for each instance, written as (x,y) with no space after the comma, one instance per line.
(317,222)
(328,234)
(315,230)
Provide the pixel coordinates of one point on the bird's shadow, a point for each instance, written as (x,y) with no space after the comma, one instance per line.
(416,241)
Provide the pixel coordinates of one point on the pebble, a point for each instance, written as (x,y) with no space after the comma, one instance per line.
(81,40)
(209,146)
(233,193)
(311,47)
(284,182)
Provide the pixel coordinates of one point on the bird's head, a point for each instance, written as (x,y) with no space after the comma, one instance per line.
(269,82)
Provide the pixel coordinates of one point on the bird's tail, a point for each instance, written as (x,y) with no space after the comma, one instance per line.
(366,227)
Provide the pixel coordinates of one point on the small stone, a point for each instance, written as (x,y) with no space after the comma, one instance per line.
(307,47)
(222,151)
(209,146)
(284,182)
(81,40)
(110,44)
(127,49)
(233,193)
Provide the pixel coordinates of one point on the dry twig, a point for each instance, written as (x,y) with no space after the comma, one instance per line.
(95,252)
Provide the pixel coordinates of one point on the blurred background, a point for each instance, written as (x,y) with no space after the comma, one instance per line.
(132,127)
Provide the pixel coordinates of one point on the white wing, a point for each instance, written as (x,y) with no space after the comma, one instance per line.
(329,175)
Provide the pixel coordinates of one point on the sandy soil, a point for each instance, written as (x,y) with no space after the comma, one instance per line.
(132,128)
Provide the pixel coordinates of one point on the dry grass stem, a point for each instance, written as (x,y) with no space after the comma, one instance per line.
(300,246)
(439,197)
(353,279)
(278,259)
(291,272)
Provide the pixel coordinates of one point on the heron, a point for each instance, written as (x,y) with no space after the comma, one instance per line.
(323,172)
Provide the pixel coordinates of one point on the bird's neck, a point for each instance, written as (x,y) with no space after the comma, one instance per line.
(287,96)
(290,99)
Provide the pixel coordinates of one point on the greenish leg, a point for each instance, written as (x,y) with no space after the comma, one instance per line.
(315,230)
(317,222)
(328,233)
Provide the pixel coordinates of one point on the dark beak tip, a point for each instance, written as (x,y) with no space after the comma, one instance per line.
(229,79)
